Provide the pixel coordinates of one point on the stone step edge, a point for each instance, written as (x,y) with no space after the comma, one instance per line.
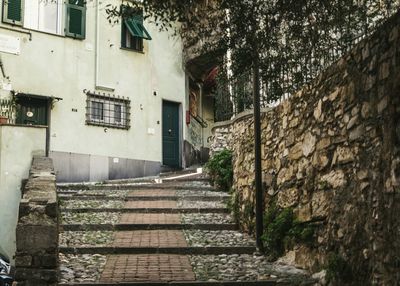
(188,250)
(269,282)
(145,210)
(142,198)
(127,227)
(135,187)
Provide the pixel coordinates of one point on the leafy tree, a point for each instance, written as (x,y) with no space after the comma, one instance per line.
(293,39)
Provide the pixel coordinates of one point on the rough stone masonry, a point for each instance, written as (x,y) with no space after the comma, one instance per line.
(36,259)
(332,153)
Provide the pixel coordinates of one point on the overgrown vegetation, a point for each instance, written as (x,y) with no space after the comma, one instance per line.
(338,270)
(283,231)
(220,170)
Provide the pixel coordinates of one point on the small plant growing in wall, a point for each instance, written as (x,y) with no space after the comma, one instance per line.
(282,231)
(220,170)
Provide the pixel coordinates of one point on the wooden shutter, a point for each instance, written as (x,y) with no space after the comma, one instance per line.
(12,11)
(76,19)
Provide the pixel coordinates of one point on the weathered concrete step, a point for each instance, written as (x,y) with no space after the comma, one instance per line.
(146,210)
(135,187)
(212,250)
(270,282)
(122,227)
(84,197)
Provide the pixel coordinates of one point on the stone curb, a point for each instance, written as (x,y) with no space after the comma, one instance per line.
(194,283)
(146,210)
(142,198)
(212,250)
(116,227)
(135,187)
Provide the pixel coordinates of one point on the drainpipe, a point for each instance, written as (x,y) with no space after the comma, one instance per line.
(257,150)
(97,85)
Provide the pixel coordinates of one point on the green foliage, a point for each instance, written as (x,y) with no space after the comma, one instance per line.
(220,170)
(234,205)
(283,231)
(338,270)
(277,225)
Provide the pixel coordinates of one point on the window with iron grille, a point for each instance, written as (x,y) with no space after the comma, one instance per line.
(107,111)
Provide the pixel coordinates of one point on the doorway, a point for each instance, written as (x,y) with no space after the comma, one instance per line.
(170,134)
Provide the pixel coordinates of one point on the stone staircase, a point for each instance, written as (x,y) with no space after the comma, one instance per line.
(159,231)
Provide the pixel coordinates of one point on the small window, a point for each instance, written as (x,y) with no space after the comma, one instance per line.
(97,110)
(133,32)
(75,25)
(12,12)
(108,111)
(61,17)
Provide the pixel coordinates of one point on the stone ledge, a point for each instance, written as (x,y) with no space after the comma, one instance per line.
(38,227)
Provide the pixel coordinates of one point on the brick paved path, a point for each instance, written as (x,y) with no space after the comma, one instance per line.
(149,238)
(149,267)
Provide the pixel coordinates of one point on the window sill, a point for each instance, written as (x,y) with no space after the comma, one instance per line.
(132,50)
(100,124)
(21,29)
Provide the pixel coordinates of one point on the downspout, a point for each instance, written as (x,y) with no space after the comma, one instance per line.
(97,85)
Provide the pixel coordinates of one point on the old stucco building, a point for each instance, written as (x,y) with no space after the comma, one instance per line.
(104,100)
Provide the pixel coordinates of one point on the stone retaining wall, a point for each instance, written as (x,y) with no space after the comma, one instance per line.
(331,152)
(36,259)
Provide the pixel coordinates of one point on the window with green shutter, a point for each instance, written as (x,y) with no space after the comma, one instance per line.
(12,11)
(76,19)
(133,31)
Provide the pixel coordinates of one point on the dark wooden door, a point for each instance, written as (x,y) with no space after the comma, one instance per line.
(170,133)
(32,111)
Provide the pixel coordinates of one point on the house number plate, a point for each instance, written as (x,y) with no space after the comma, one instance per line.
(29,114)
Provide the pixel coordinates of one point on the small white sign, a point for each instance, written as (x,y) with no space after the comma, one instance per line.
(116,160)
(9,44)
(151,131)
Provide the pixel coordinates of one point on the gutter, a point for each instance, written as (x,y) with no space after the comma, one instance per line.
(98,85)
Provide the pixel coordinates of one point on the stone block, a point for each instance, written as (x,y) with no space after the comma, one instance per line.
(42,275)
(382,104)
(303,212)
(335,178)
(23,260)
(308,144)
(288,198)
(296,152)
(320,204)
(33,238)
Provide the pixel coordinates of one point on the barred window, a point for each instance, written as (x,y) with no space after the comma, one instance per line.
(107,111)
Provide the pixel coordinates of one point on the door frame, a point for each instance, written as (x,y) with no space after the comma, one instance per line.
(180,130)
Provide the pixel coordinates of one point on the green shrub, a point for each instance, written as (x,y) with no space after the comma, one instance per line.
(220,170)
(277,225)
(338,270)
(281,231)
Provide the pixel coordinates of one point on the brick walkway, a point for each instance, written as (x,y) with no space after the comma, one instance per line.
(145,218)
(150,238)
(152,193)
(149,267)
(151,204)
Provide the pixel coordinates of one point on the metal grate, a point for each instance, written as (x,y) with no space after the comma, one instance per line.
(107,111)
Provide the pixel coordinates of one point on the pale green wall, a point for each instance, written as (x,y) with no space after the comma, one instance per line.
(63,67)
(17,145)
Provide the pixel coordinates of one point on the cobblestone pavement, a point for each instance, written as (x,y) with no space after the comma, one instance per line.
(142,227)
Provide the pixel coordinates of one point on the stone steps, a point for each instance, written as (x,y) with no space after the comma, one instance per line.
(215,250)
(171,233)
(122,227)
(141,198)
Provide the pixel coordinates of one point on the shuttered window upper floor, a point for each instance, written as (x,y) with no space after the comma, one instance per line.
(52,16)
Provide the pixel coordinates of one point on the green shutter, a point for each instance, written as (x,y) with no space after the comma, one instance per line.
(13,11)
(136,28)
(76,20)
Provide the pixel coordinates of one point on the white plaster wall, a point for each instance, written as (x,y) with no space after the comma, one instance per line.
(17,145)
(63,67)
